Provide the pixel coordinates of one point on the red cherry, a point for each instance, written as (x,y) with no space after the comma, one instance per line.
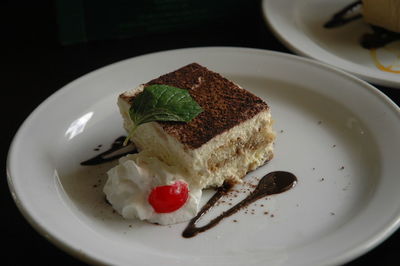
(165,199)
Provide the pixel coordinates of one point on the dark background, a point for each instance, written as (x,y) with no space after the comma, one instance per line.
(36,61)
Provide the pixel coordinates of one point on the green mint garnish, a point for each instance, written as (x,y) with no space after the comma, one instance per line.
(162,103)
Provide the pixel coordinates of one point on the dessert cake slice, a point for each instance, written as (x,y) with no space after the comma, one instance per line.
(382,13)
(232,136)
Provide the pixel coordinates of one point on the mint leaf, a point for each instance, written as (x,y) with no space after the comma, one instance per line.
(162,103)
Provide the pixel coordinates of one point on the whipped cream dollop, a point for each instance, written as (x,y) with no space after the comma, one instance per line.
(130,183)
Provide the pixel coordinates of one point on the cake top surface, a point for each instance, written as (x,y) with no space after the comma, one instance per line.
(224,103)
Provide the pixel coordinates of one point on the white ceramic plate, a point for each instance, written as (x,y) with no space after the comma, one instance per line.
(299,25)
(336,133)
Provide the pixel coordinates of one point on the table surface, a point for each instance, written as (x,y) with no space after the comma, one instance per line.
(36,65)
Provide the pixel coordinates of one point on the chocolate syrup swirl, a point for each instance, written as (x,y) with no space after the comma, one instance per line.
(378,38)
(344,16)
(272,183)
(116,151)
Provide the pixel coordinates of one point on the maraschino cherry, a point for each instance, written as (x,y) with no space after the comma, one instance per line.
(165,199)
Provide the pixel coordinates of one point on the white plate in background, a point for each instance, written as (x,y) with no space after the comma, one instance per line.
(299,25)
(336,133)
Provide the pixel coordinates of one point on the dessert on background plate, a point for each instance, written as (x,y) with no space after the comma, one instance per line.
(194,129)
(382,15)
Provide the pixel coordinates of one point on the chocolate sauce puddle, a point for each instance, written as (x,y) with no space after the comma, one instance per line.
(116,151)
(344,16)
(272,183)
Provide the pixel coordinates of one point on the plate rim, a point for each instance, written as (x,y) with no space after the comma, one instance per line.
(291,45)
(67,247)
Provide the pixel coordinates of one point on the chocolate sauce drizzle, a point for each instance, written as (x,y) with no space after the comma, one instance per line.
(272,183)
(378,38)
(344,16)
(116,151)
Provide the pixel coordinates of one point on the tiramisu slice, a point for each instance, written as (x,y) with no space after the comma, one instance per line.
(232,136)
